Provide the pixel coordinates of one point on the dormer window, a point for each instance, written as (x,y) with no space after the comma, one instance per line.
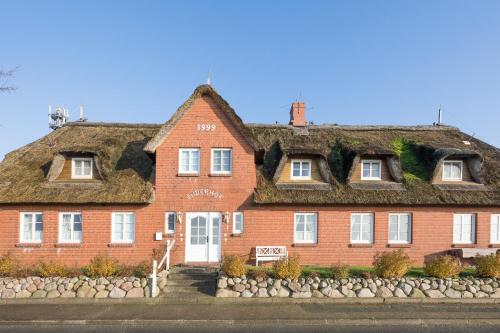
(81,167)
(452,170)
(301,170)
(371,170)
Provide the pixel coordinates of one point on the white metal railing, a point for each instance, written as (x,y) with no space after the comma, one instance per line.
(166,257)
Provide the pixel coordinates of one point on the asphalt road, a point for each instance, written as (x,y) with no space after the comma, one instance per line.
(249,317)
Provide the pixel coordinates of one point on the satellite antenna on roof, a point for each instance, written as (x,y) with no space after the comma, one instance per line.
(58,117)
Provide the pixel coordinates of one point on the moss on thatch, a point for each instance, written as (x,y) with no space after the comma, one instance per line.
(411,162)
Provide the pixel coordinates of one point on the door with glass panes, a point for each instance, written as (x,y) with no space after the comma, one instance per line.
(203,237)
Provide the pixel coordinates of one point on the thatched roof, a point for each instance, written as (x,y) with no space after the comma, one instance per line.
(412,154)
(124,168)
(124,157)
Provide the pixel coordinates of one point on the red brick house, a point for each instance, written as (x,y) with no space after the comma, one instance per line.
(216,186)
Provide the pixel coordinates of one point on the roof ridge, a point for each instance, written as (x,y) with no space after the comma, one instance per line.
(110,124)
(364,127)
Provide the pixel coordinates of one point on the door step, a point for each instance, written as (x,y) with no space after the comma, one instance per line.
(190,282)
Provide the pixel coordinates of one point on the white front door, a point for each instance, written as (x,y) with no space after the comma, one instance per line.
(203,237)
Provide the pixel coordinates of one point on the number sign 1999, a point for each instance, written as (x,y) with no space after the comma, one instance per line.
(206,127)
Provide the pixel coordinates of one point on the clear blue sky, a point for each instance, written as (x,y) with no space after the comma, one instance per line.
(353,62)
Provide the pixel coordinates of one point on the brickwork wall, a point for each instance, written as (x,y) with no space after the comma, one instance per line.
(263,225)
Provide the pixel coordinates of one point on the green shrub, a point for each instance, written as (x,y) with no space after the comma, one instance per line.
(287,268)
(49,269)
(233,266)
(392,264)
(101,266)
(7,265)
(488,266)
(443,267)
(340,271)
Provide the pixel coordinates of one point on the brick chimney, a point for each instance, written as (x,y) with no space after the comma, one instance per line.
(298,114)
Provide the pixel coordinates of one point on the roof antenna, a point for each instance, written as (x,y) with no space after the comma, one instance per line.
(209,79)
(440,116)
(82,115)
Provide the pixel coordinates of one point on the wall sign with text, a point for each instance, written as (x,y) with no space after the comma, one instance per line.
(206,127)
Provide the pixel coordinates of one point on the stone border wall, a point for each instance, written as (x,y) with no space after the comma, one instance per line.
(358,287)
(79,287)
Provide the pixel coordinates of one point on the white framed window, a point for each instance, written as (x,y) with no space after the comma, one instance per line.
(495,229)
(123,227)
(222,160)
(70,227)
(464,228)
(189,161)
(170,218)
(400,228)
(301,169)
(237,223)
(371,170)
(362,228)
(305,228)
(81,167)
(31,227)
(452,170)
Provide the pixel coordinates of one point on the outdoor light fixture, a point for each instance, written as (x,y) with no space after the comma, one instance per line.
(226,220)
(179,217)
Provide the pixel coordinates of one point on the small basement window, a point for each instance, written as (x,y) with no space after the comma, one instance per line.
(301,169)
(452,170)
(81,167)
(370,170)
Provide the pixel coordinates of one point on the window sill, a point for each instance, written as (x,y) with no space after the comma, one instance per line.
(69,245)
(220,175)
(28,245)
(399,245)
(305,244)
(188,175)
(360,245)
(236,235)
(463,246)
(121,245)
(170,234)
(494,246)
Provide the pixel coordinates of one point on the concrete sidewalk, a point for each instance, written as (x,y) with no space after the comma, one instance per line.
(325,313)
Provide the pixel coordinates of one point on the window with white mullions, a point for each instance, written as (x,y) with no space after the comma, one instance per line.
(495,229)
(189,161)
(452,170)
(371,169)
(301,169)
(81,167)
(305,228)
(123,227)
(221,161)
(362,228)
(464,228)
(31,228)
(400,228)
(237,223)
(170,218)
(70,227)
